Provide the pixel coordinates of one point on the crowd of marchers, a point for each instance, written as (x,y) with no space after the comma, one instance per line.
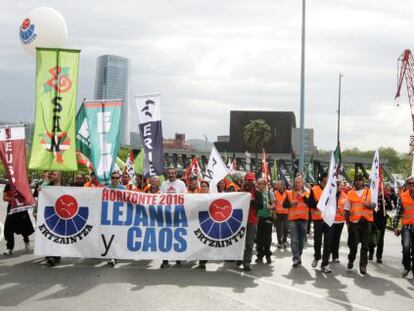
(292,211)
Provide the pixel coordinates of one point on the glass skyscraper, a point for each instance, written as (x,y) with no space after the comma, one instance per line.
(112,82)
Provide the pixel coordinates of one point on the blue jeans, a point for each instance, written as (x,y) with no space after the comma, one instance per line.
(297,237)
(407,241)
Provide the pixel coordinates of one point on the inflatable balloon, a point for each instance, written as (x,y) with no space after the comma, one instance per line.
(43,27)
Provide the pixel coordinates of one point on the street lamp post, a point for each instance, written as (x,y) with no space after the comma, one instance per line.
(302,96)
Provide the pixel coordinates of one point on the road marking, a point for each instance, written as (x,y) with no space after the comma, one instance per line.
(235,298)
(302,291)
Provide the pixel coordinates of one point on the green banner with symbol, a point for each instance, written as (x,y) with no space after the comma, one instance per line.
(54,142)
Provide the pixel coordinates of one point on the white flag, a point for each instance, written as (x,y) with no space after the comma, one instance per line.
(327,203)
(216,170)
(374,177)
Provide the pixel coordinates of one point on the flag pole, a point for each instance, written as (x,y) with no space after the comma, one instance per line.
(339,107)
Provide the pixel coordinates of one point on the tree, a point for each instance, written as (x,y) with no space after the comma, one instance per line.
(257,134)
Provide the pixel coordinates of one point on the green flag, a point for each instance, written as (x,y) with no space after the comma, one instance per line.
(139,162)
(54,143)
(273,171)
(83,149)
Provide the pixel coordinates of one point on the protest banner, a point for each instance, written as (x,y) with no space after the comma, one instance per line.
(113,223)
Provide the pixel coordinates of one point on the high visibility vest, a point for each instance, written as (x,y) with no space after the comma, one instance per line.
(234,185)
(340,210)
(357,210)
(315,212)
(408,208)
(300,211)
(196,190)
(280,198)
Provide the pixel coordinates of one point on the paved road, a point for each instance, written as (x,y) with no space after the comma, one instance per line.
(26,283)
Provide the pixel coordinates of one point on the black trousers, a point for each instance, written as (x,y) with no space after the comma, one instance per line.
(282,228)
(18,223)
(380,244)
(322,231)
(359,233)
(336,239)
(407,242)
(264,237)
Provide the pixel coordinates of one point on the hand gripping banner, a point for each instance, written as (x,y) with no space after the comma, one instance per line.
(150,128)
(13,157)
(110,223)
(103,118)
(54,146)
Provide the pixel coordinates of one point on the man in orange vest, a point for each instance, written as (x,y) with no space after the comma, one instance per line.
(359,216)
(298,215)
(339,220)
(281,223)
(320,228)
(405,212)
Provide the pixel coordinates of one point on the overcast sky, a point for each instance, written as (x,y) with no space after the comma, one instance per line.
(207,57)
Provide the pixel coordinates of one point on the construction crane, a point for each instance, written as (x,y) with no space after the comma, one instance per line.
(406,69)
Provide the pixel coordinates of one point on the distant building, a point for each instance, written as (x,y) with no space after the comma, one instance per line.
(112,82)
(177,143)
(309,146)
(280,122)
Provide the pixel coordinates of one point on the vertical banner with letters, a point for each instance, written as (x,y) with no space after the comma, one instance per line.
(103,117)
(13,157)
(150,128)
(54,146)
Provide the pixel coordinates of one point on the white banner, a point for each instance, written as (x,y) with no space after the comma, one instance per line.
(327,203)
(112,223)
(374,177)
(216,170)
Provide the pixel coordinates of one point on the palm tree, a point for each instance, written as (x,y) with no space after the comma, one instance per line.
(257,134)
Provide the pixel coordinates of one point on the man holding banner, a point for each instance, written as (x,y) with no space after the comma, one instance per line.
(17,191)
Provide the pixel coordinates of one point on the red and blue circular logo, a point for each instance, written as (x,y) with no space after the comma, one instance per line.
(27,31)
(66,218)
(221,221)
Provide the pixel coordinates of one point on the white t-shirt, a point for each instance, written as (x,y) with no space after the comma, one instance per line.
(177,186)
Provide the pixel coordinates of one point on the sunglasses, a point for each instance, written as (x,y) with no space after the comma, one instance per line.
(114,177)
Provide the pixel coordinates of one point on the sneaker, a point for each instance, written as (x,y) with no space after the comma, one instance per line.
(201,266)
(371,256)
(326,269)
(238,263)
(51,261)
(295,263)
(335,260)
(268,259)
(350,265)
(9,252)
(279,245)
(246,267)
(27,247)
(165,265)
(259,259)
(314,263)
(379,260)
(111,262)
(363,270)
(284,245)
(405,273)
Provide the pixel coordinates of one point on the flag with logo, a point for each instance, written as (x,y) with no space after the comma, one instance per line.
(375,178)
(150,128)
(216,170)
(83,149)
(13,157)
(103,117)
(327,204)
(129,165)
(54,143)
(193,170)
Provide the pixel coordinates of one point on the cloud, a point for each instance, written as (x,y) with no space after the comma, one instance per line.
(209,57)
